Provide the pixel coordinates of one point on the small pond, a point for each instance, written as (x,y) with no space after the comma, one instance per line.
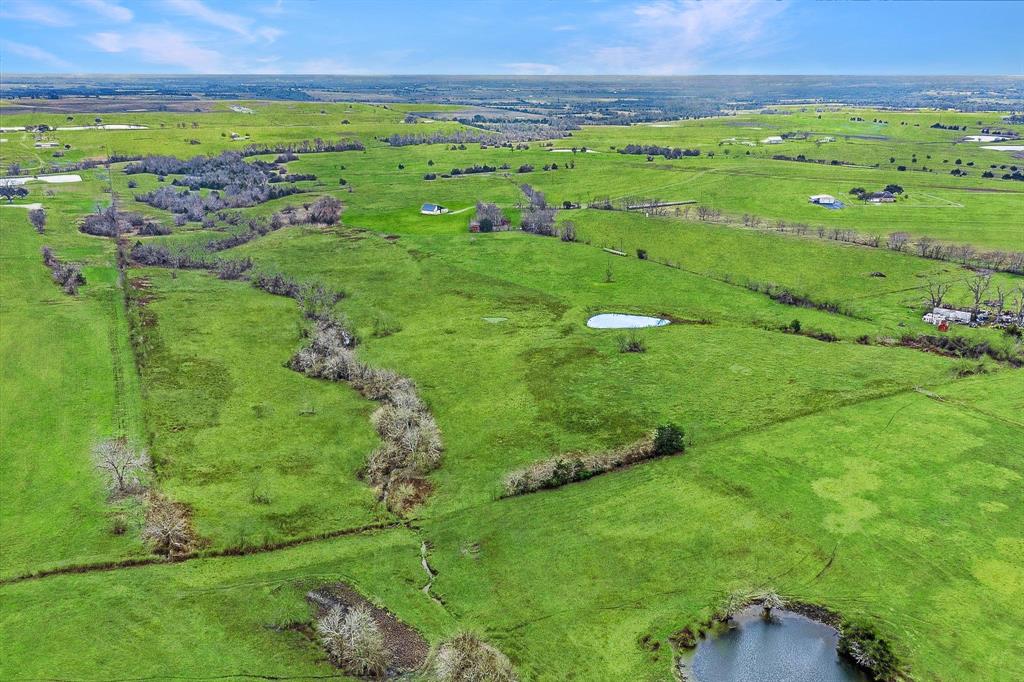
(787,648)
(623,321)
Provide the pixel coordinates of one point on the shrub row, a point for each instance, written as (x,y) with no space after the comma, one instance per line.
(558,471)
(412,443)
(68,276)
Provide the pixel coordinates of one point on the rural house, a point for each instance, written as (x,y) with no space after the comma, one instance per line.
(773,139)
(432,209)
(823,199)
(881,197)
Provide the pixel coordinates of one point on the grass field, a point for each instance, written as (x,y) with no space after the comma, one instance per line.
(880,481)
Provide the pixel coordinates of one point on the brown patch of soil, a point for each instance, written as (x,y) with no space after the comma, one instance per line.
(407,647)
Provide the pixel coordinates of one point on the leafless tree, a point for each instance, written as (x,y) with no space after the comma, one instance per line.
(1018,304)
(999,302)
(703,212)
(978,285)
(123,466)
(924,246)
(898,241)
(937,291)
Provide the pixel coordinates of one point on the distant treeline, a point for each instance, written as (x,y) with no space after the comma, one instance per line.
(314,146)
(803,159)
(655,150)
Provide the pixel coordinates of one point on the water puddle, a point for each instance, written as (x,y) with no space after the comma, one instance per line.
(622,321)
(788,647)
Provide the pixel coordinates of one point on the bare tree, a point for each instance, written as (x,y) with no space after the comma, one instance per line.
(703,212)
(123,466)
(37,217)
(898,241)
(978,285)
(999,302)
(1018,304)
(924,246)
(937,291)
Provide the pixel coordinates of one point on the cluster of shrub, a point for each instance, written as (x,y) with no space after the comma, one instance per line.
(537,217)
(68,276)
(960,347)
(864,195)
(795,327)
(475,168)
(939,126)
(158,255)
(110,222)
(411,440)
(326,211)
(655,150)
(783,295)
(490,217)
(355,642)
(558,471)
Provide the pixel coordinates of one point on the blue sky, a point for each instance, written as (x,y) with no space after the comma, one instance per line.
(657,37)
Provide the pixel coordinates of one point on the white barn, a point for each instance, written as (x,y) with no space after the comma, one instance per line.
(433,209)
(823,199)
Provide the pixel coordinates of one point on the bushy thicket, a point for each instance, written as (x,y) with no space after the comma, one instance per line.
(783,295)
(960,347)
(353,640)
(863,646)
(490,217)
(167,528)
(68,276)
(109,222)
(655,150)
(411,440)
(557,471)
(537,217)
(466,658)
(238,183)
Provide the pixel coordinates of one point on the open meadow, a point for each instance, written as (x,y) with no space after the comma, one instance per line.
(320,383)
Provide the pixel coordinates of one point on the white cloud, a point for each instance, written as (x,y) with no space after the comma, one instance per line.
(108,10)
(272,10)
(235,23)
(34,53)
(37,12)
(670,37)
(158,45)
(531,69)
(325,66)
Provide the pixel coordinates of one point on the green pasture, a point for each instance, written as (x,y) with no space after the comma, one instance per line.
(880,481)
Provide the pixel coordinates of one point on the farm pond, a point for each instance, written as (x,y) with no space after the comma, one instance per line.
(623,321)
(788,647)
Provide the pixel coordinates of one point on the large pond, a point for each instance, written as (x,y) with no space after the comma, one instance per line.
(623,321)
(787,648)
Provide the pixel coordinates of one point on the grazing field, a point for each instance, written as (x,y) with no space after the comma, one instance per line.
(837,450)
